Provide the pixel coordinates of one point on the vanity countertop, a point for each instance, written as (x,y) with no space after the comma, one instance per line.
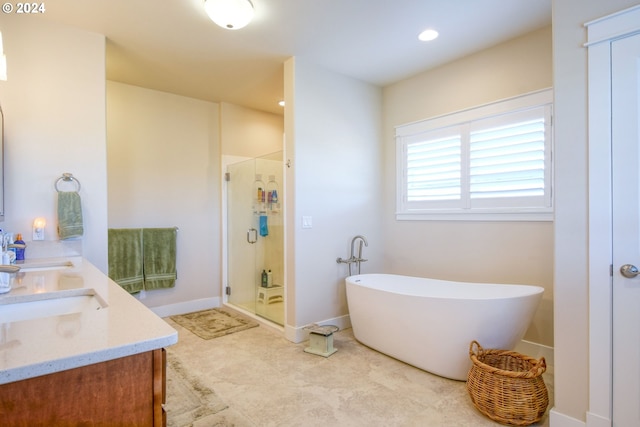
(112,324)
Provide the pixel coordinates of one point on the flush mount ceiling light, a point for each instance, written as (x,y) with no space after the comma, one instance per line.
(229,14)
(428,35)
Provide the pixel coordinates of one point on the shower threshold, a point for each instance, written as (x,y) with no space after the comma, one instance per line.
(271,321)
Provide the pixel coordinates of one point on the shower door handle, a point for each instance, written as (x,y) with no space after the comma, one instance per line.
(252,235)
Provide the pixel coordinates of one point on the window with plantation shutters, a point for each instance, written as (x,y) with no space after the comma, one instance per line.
(491,163)
(434,168)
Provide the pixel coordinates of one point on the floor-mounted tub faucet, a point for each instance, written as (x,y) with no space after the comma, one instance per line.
(353,258)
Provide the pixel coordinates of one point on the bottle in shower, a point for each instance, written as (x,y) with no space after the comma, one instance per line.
(258,194)
(272,193)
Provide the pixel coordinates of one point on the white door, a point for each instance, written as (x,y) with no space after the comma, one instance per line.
(625,63)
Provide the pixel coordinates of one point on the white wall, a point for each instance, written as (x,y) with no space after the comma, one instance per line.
(54,108)
(571,282)
(249,133)
(332,126)
(164,171)
(498,252)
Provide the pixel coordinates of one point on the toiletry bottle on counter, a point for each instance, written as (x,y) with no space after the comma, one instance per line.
(20,245)
(264,279)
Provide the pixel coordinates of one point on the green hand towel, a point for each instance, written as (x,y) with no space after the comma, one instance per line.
(69,215)
(125,258)
(159,253)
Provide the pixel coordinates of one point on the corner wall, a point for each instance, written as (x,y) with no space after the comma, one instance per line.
(164,171)
(54,122)
(332,125)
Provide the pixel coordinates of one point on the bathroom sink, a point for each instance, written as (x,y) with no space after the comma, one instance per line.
(47,265)
(54,306)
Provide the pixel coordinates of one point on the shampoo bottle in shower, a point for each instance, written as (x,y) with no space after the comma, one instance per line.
(264,279)
(269,279)
(258,191)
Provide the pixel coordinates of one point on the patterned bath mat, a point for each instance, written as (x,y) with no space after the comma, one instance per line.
(188,400)
(213,323)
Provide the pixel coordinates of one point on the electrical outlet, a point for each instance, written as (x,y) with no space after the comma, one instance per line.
(307,222)
(38,228)
(38,233)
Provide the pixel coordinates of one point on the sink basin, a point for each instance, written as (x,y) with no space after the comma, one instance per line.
(37,309)
(42,266)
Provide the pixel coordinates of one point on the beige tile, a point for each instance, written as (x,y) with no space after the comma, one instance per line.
(268,381)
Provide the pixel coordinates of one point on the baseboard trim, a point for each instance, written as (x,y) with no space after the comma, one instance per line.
(537,351)
(595,420)
(185,307)
(558,419)
(298,334)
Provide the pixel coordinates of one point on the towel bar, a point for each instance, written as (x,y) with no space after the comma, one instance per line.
(67,177)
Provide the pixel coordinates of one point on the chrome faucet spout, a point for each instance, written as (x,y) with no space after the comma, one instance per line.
(362,241)
(355,259)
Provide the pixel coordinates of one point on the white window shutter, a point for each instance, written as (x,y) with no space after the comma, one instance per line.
(508,159)
(434,169)
(491,160)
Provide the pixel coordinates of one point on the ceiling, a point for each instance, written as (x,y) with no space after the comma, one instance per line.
(172,45)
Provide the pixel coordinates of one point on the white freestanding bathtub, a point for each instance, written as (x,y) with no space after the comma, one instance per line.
(430,323)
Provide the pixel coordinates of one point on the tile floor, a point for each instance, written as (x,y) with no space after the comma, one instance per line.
(268,381)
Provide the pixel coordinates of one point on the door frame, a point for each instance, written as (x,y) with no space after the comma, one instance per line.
(600,33)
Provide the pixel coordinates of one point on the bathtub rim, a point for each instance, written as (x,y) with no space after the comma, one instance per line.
(526,290)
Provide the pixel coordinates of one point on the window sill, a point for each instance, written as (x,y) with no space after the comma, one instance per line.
(475,216)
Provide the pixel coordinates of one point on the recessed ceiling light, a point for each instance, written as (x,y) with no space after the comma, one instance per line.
(281,103)
(428,35)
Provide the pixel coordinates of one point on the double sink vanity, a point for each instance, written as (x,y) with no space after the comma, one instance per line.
(77,349)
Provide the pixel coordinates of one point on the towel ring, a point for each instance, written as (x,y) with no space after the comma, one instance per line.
(67,177)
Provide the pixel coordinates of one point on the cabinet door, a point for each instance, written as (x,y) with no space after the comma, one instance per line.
(159,387)
(116,392)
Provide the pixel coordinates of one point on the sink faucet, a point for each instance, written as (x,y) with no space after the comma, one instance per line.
(362,241)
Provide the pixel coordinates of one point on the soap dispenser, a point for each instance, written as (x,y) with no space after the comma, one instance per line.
(20,246)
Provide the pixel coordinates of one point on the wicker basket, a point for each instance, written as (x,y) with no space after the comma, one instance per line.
(507,386)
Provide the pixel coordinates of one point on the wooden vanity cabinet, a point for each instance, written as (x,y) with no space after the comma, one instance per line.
(128,391)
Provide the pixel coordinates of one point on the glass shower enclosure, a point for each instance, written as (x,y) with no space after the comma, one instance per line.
(255,236)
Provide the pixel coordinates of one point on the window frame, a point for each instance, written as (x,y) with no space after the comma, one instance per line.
(432,210)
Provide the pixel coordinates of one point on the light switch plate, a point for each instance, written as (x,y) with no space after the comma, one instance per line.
(307,222)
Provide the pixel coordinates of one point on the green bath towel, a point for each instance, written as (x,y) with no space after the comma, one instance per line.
(159,254)
(125,258)
(69,215)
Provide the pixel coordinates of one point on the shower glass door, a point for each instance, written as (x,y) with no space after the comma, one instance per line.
(255,239)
